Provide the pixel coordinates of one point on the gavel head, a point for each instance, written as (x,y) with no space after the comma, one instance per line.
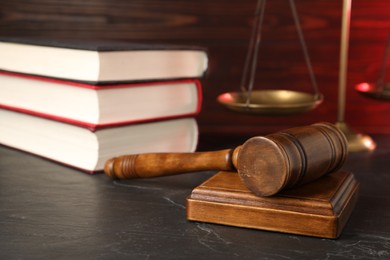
(288,158)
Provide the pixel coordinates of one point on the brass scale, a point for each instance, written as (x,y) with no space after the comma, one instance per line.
(289,102)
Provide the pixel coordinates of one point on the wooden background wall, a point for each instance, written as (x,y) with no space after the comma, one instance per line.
(223,26)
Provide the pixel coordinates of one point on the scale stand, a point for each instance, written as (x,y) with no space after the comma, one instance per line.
(356,141)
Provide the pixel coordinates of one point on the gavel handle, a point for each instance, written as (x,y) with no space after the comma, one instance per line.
(163,164)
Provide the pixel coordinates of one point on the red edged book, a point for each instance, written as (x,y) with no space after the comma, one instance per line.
(99,106)
(101,61)
(83,125)
(87,150)
(68,100)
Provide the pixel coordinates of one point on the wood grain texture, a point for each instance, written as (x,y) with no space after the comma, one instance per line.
(150,165)
(49,211)
(224,28)
(319,209)
(266,165)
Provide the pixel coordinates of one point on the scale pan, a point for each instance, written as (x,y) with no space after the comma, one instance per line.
(372,90)
(271,102)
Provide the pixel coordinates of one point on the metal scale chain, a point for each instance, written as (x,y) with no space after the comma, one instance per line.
(252,54)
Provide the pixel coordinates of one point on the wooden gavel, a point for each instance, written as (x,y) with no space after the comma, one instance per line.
(266,164)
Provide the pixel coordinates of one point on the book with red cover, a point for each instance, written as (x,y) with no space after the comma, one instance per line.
(101,61)
(99,106)
(87,150)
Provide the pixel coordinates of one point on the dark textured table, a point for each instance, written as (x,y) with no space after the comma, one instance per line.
(48,211)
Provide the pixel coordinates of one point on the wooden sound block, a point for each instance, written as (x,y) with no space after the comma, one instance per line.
(320,208)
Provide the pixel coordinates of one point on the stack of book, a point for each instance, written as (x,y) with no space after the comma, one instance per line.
(81,103)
